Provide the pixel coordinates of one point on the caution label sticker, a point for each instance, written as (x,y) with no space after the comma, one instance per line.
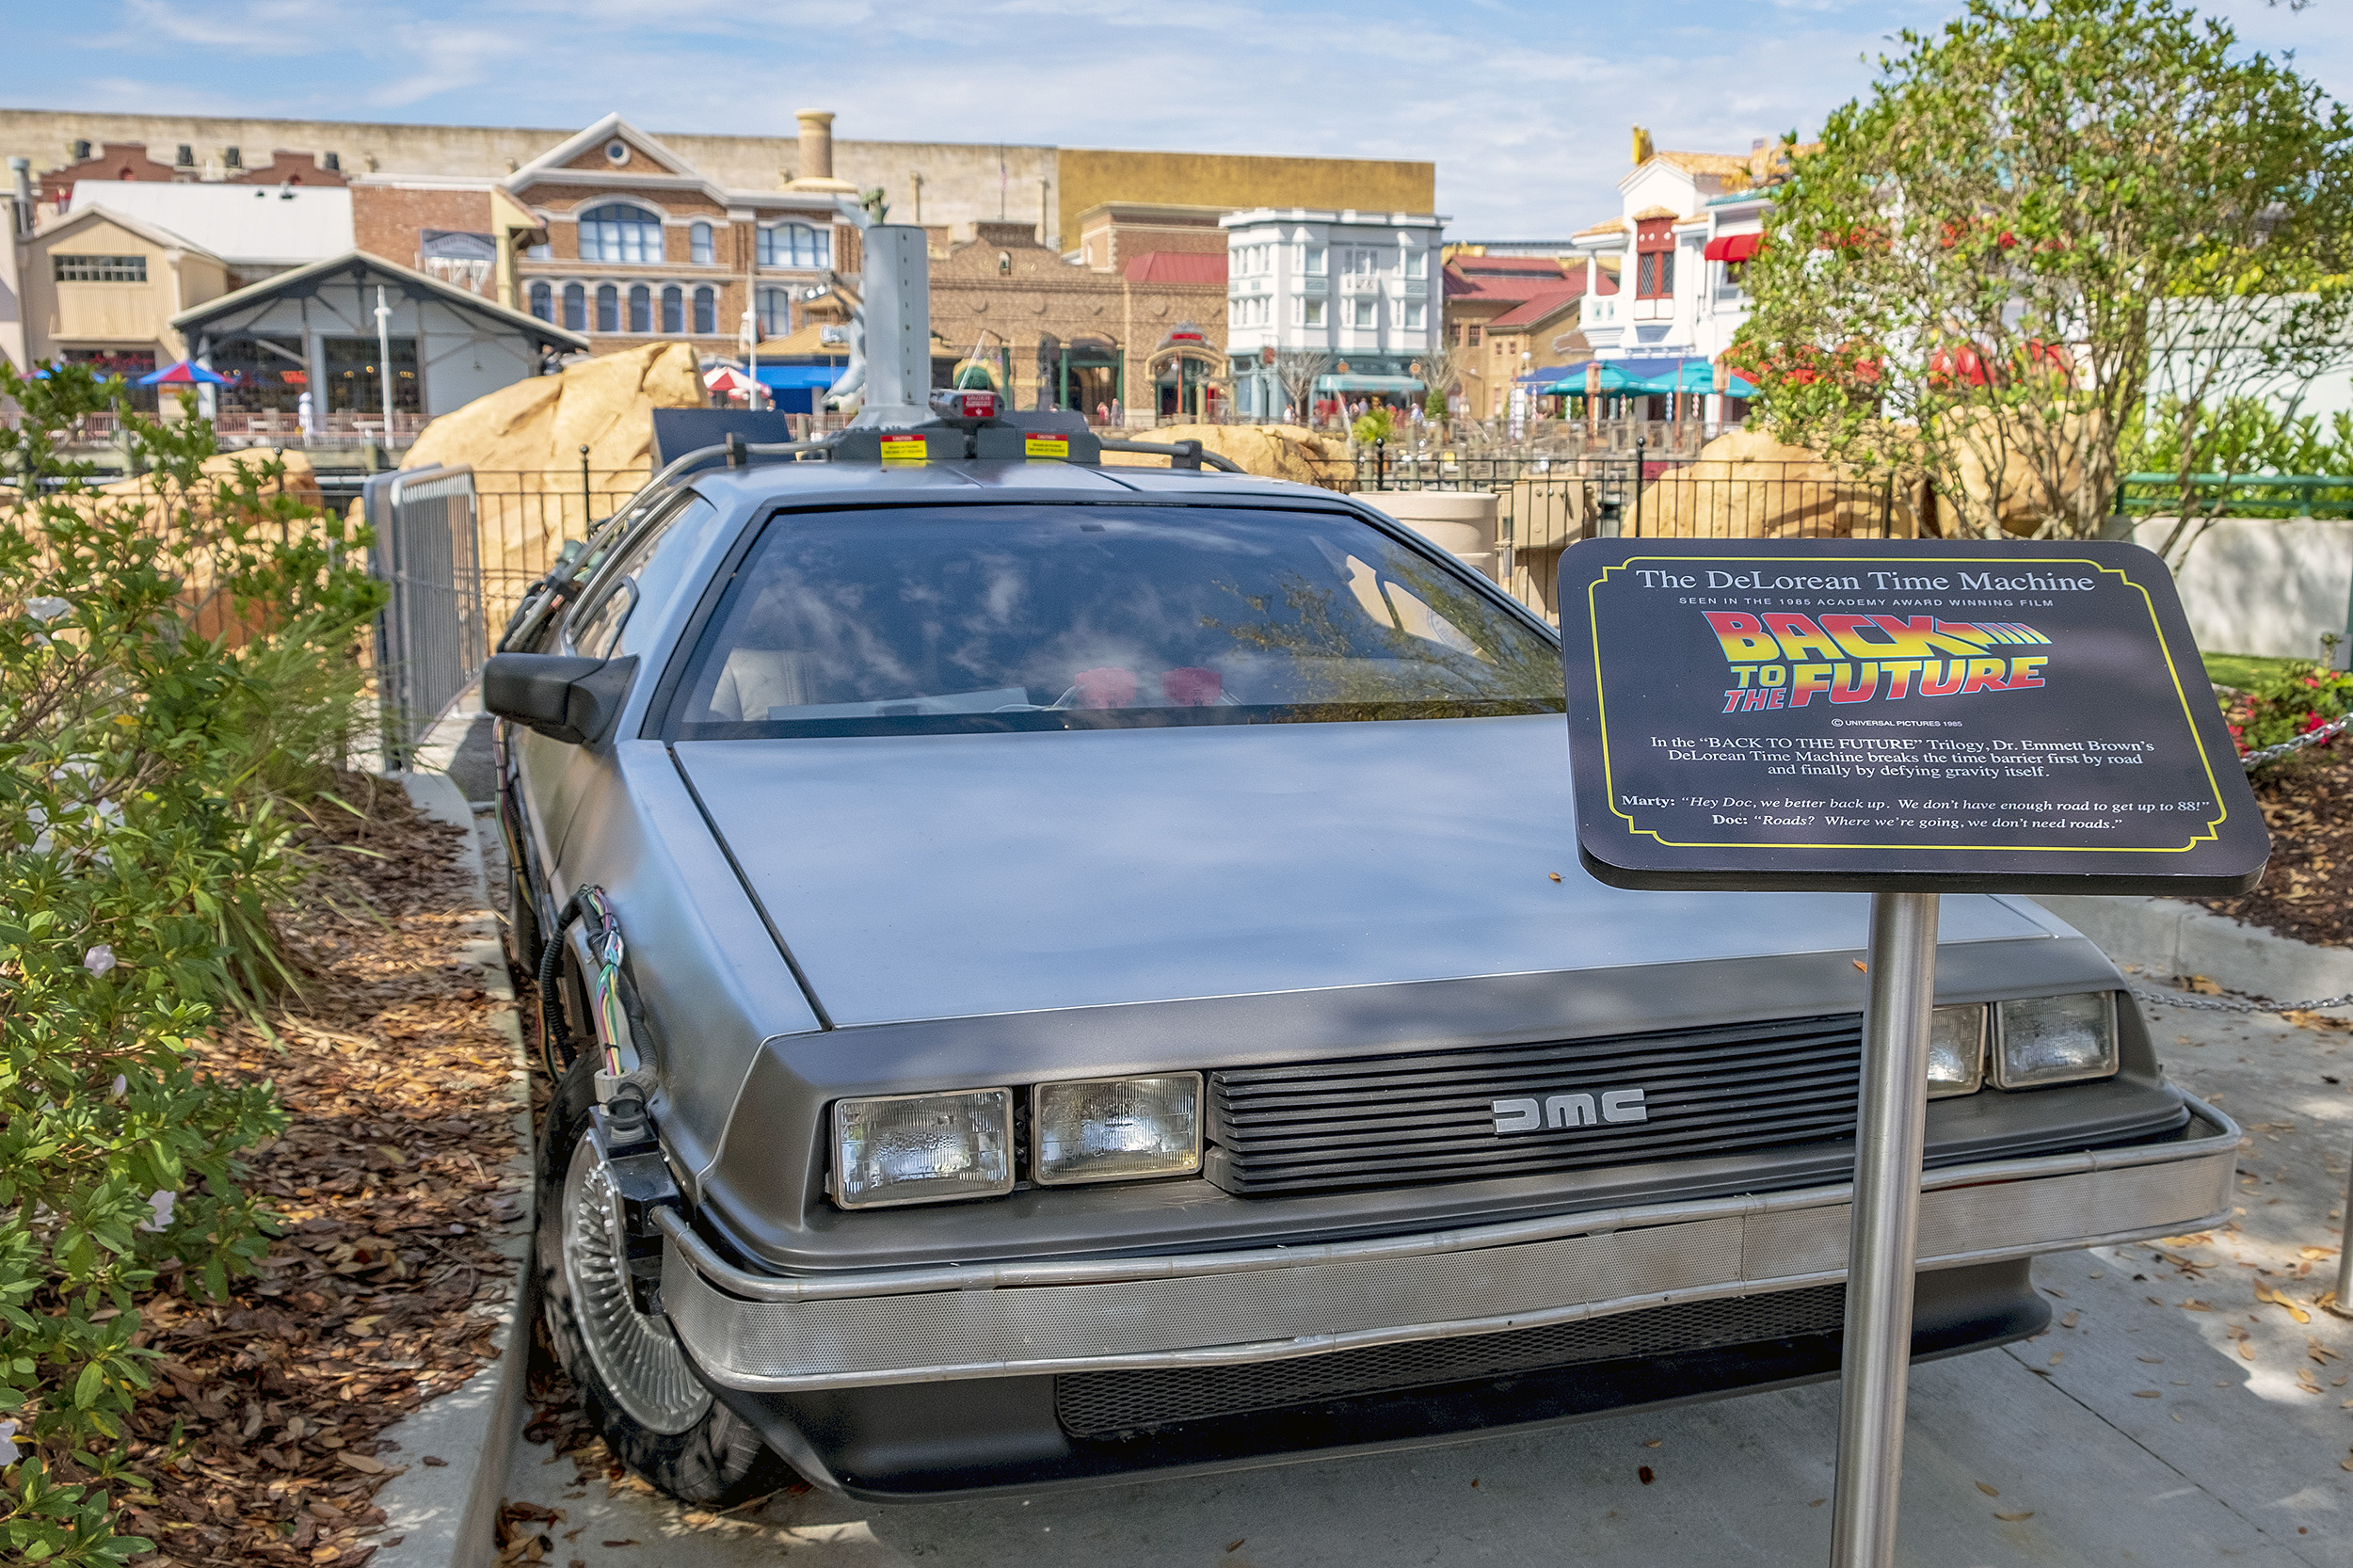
(905,451)
(1047,446)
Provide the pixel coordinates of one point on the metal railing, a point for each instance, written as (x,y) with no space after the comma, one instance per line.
(430,638)
(2242,495)
(523,517)
(1543,504)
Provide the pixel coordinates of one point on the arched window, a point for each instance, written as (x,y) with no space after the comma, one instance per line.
(575,307)
(608,308)
(673,313)
(1004,263)
(619,233)
(776,312)
(543,302)
(706,310)
(640,307)
(795,245)
(698,247)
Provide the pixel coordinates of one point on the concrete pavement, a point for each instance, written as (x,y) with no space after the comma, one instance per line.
(2137,1430)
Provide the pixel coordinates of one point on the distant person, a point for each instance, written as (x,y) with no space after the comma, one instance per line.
(1102,414)
(1118,417)
(304,417)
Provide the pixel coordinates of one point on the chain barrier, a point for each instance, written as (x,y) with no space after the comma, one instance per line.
(2321,736)
(2236,1004)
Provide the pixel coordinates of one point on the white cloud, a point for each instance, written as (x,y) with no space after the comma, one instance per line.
(1525,113)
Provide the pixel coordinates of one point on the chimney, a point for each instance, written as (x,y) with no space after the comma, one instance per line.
(816,170)
(816,143)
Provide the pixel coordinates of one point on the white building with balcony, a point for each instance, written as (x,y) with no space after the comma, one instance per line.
(1359,287)
(1690,222)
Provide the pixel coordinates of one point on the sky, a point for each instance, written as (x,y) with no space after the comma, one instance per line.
(1524,107)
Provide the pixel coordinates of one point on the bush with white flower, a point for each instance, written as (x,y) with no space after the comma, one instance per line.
(140,857)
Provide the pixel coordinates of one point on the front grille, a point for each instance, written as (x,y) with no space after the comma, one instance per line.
(1108,1404)
(1388,1120)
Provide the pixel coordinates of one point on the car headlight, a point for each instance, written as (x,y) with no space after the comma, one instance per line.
(1116,1129)
(922,1148)
(2055,1039)
(1956,1051)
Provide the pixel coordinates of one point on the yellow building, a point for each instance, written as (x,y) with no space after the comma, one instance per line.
(100,288)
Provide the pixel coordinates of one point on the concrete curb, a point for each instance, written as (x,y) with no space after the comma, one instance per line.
(2163,937)
(446,1516)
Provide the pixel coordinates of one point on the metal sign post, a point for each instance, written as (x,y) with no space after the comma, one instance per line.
(1907,719)
(1890,1142)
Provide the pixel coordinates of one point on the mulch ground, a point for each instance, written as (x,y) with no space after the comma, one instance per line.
(2307,890)
(264,1442)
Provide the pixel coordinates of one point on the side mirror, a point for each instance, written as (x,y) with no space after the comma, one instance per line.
(566,698)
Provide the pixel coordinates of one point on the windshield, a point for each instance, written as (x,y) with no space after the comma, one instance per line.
(938,619)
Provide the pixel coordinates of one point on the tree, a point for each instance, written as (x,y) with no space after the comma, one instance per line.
(1297,369)
(1441,366)
(2039,222)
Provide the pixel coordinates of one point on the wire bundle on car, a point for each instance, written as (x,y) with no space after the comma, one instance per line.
(604,986)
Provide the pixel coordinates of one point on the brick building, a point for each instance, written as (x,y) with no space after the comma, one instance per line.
(1148,336)
(1508,314)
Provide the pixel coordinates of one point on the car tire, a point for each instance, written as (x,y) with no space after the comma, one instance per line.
(635,1382)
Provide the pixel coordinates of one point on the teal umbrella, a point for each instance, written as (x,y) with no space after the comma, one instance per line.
(1614,382)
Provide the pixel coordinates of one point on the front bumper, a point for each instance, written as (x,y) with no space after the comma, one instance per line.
(763,1333)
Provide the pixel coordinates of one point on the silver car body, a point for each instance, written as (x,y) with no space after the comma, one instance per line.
(810,918)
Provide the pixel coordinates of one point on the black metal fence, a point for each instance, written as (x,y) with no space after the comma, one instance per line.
(1544,503)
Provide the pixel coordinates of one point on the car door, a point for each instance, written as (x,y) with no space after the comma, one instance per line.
(615,618)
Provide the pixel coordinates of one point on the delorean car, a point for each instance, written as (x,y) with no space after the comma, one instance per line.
(1057,971)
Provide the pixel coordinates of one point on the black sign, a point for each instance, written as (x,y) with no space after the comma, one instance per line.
(1972,716)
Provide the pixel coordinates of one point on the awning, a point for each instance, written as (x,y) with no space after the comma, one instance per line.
(1731,247)
(1636,377)
(784,377)
(1367,383)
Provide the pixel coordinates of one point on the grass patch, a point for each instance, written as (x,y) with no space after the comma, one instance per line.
(2246,671)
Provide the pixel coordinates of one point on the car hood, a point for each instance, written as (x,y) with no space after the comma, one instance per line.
(955,875)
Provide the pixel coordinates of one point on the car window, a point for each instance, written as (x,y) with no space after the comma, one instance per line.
(597,625)
(932,619)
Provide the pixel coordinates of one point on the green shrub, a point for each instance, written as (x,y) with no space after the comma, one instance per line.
(2286,701)
(147,636)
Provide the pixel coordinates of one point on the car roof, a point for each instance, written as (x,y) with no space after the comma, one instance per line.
(803,483)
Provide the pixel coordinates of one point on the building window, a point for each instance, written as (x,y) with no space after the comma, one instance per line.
(575,307)
(698,247)
(1313,314)
(706,312)
(673,309)
(614,233)
(640,309)
(1311,261)
(543,302)
(608,308)
(101,269)
(1413,316)
(1654,274)
(795,245)
(1360,312)
(1417,264)
(617,151)
(1474,337)
(776,312)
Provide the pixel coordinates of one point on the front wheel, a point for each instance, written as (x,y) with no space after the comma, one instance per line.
(632,1376)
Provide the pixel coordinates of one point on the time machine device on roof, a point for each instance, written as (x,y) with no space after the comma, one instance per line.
(901,418)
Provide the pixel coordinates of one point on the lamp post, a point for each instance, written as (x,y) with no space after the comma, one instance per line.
(751,354)
(384,361)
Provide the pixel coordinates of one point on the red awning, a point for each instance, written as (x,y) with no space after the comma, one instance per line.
(1733,248)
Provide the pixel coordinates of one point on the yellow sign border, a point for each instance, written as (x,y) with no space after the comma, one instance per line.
(1592,622)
